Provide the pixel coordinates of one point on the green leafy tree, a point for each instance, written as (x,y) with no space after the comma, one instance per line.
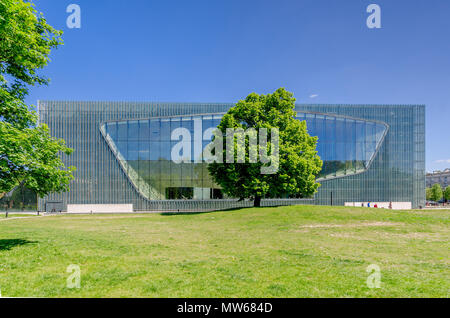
(436,192)
(298,162)
(20,198)
(447,194)
(428,194)
(28,154)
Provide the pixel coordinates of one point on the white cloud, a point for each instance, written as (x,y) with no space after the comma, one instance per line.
(313,95)
(442,161)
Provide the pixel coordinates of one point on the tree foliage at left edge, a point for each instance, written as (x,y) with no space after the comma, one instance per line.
(28,154)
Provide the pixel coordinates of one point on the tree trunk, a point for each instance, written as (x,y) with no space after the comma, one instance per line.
(257,202)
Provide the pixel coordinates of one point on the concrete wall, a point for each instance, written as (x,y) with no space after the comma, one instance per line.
(99,208)
(385,205)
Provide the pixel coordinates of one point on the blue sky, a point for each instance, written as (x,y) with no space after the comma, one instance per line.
(219,51)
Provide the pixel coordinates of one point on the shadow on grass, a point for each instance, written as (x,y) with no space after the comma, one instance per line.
(201,212)
(6,245)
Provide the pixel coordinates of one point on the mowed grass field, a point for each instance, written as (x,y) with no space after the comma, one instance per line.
(298,251)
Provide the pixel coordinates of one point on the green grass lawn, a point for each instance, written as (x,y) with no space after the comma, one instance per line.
(299,251)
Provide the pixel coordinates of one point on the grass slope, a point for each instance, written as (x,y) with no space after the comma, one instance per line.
(299,251)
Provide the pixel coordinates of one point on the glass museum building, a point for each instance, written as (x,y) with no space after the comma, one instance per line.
(122,153)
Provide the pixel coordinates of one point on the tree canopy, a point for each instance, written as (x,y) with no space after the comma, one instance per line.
(28,154)
(297,163)
(436,192)
(428,194)
(447,193)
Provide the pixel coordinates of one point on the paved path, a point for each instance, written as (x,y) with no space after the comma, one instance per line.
(21,217)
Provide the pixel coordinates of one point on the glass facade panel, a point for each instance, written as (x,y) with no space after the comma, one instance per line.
(346,145)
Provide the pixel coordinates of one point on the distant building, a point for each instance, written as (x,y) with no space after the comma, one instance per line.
(441,177)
